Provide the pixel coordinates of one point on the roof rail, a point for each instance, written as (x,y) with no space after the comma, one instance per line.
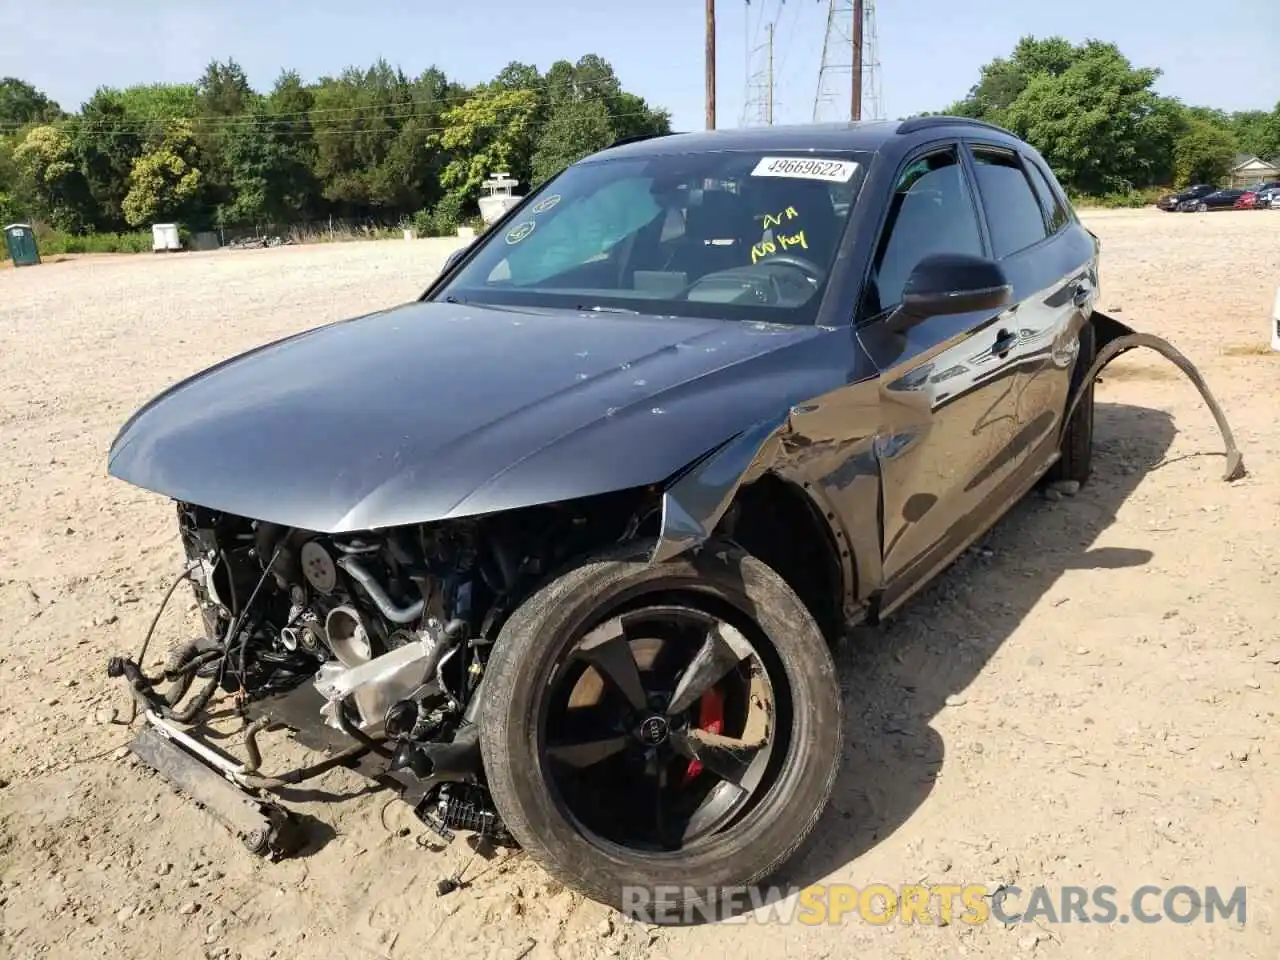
(636,138)
(946,120)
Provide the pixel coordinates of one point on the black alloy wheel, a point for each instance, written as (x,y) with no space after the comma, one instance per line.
(674,726)
(660,727)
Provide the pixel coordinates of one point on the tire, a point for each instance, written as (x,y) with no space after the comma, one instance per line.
(1076,452)
(1202,207)
(517,691)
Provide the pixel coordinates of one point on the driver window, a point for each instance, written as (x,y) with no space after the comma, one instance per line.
(932,211)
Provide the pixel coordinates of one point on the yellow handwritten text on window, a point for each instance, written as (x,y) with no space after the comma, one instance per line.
(768,247)
(775,219)
(762,250)
(795,240)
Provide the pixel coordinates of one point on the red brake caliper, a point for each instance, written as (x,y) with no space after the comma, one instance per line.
(710,719)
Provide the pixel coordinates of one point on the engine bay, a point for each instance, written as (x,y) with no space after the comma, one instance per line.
(381,636)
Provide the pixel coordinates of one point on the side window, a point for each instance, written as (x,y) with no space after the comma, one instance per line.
(1054,211)
(932,211)
(1014,216)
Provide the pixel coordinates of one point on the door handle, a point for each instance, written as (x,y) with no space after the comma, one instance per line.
(1005,340)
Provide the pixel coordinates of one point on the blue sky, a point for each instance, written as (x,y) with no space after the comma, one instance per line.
(929,50)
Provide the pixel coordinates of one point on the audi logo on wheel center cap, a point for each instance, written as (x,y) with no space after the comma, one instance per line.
(653,731)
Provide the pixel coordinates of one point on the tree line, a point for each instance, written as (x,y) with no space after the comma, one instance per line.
(377,145)
(369,144)
(1098,121)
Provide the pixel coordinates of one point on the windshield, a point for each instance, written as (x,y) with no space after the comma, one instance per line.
(735,235)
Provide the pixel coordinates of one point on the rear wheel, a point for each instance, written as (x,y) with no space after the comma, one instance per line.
(669,728)
(1076,460)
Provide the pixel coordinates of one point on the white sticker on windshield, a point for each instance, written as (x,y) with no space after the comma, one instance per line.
(803,168)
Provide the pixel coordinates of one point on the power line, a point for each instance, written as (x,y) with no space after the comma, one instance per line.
(850,47)
(760,85)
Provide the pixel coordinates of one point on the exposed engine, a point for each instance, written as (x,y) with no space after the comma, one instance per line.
(392,628)
(306,602)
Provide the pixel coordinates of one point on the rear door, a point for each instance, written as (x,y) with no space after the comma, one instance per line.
(947,404)
(1047,258)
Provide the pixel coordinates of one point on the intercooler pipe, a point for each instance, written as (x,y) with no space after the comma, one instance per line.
(379,596)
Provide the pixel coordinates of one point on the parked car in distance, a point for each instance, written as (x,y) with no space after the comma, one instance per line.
(1173,201)
(1223,199)
(1265,192)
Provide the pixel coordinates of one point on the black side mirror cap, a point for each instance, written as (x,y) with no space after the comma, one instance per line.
(943,284)
(947,283)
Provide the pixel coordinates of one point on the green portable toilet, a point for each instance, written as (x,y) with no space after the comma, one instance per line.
(20,240)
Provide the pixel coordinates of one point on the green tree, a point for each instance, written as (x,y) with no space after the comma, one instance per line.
(1203,152)
(1258,132)
(482,135)
(165,182)
(1001,81)
(22,104)
(49,177)
(106,142)
(574,130)
(584,110)
(1091,113)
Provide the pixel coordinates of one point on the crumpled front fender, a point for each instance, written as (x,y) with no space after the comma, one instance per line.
(1115,338)
(694,502)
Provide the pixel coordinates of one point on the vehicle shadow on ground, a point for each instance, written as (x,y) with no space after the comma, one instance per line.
(897,677)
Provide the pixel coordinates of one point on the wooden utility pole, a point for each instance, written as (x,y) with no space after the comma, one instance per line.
(855,106)
(769,101)
(711,64)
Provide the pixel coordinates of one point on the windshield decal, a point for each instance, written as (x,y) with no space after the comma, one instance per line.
(799,168)
(542,206)
(519,232)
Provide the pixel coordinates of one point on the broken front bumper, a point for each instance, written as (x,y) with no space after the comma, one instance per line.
(212,780)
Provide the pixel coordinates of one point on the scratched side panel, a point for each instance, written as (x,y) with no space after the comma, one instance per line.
(947,411)
(830,453)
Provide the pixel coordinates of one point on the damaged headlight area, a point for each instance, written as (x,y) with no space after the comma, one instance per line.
(370,646)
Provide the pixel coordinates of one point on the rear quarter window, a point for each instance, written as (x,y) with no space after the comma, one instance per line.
(1054,212)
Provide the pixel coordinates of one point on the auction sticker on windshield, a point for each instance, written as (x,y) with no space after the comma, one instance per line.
(805,168)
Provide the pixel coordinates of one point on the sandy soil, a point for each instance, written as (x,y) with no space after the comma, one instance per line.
(1087,698)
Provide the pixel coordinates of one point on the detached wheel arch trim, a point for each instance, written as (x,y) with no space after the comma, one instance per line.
(529,655)
(1115,338)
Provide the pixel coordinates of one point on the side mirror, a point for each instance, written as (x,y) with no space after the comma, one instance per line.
(454,258)
(949,283)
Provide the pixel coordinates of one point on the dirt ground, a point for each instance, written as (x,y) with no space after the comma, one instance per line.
(1089,697)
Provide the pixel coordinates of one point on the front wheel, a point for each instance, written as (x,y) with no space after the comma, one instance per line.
(653,731)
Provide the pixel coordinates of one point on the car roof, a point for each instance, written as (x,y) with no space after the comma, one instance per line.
(870,136)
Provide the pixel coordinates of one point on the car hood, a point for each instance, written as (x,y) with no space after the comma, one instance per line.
(432,410)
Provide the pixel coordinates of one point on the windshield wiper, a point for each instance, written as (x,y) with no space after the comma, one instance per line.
(600,309)
(452,299)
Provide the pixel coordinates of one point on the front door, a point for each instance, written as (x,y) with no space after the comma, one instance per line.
(947,397)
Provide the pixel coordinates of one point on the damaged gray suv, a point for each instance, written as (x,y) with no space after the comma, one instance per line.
(558,551)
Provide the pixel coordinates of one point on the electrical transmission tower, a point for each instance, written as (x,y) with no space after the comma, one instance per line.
(850,71)
(758,106)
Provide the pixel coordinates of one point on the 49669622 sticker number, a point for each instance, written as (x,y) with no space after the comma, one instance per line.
(806,168)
